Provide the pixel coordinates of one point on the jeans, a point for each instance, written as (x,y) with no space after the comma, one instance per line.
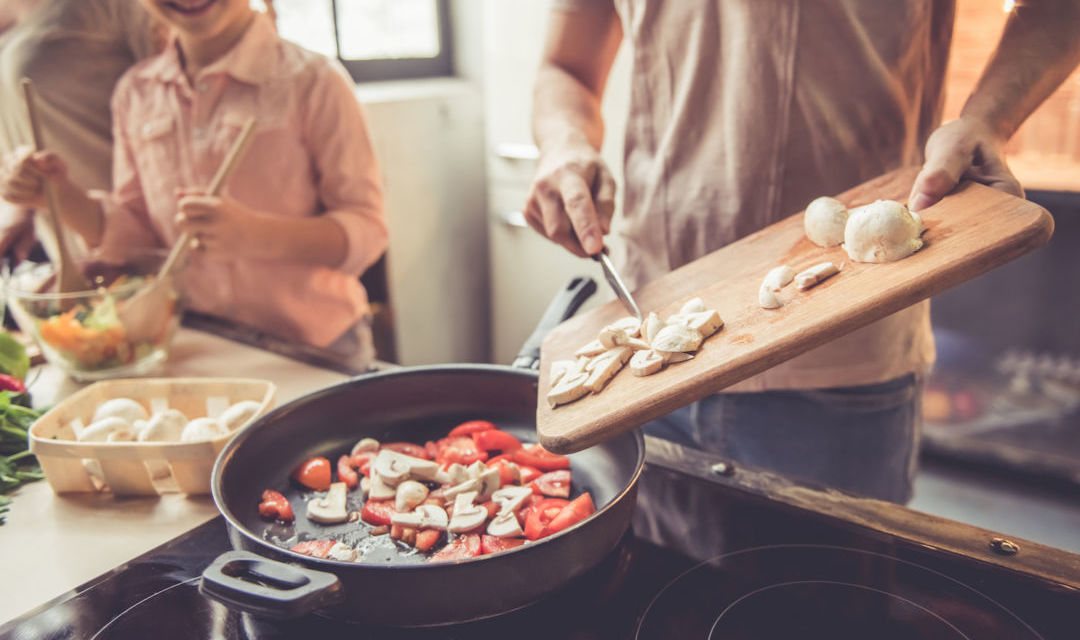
(862,440)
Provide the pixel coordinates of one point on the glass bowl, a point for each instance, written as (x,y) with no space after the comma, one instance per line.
(122,327)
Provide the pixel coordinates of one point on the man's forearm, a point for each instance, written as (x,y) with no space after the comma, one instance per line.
(565,111)
(1038,49)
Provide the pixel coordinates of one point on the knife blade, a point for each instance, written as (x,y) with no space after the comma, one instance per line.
(621,291)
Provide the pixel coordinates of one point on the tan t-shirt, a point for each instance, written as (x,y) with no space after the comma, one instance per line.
(74,51)
(742,111)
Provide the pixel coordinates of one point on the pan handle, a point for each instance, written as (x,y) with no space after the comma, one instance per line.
(244,581)
(564,305)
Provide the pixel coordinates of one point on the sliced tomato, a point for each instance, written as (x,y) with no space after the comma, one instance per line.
(314,473)
(491,544)
(431,449)
(502,456)
(509,472)
(496,440)
(541,458)
(362,462)
(463,546)
(538,516)
(377,512)
(460,449)
(528,474)
(426,539)
(578,509)
(275,506)
(403,533)
(346,473)
(553,483)
(407,448)
(314,548)
(472,426)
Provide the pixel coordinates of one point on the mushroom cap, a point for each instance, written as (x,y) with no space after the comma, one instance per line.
(166,426)
(239,413)
(123,408)
(883,231)
(100,430)
(824,221)
(202,429)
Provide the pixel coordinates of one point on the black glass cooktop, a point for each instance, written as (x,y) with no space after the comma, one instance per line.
(704,559)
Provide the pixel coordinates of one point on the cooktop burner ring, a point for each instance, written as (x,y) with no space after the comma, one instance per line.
(788,586)
(120,616)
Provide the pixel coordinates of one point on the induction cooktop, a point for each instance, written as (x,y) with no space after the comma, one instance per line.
(714,552)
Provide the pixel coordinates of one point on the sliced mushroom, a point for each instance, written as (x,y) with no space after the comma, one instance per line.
(100,430)
(591,349)
(330,508)
(675,357)
(693,305)
(611,337)
(646,363)
(629,324)
(560,368)
(409,494)
(394,467)
(767,299)
(365,444)
(239,414)
(490,482)
(124,408)
(466,516)
(603,368)
(343,553)
(505,525)
(815,275)
(637,344)
(365,486)
(677,337)
(470,485)
(705,322)
(475,469)
(570,388)
(201,429)
(429,516)
(653,324)
(510,497)
(378,489)
(778,278)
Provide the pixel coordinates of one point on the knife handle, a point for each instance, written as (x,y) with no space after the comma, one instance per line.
(563,306)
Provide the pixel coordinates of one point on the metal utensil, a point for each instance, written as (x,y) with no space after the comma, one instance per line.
(617,284)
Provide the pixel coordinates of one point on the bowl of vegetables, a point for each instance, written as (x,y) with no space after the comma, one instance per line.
(121,327)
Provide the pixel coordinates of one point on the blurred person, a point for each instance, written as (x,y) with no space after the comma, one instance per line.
(741,113)
(74,51)
(301,216)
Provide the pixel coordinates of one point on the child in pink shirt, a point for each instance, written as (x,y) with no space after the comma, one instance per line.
(301,216)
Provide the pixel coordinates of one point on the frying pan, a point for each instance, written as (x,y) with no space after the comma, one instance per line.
(413,404)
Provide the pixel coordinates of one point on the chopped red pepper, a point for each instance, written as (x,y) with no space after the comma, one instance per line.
(460,449)
(528,474)
(496,440)
(578,509)
(362,462)
(377,512)
(492,544)
(541,458)
(275,506)
(426,539)
(464,546)
(315,548)
(346,473)
(11,383)
(407,448)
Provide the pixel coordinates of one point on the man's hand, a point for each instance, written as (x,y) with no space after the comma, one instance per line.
(572,199)
(963,148)
(223,225)
(22,180)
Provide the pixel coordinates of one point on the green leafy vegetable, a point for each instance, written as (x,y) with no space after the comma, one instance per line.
(17,464)
(13,358)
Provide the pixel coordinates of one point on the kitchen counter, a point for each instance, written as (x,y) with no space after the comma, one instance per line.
(53,543)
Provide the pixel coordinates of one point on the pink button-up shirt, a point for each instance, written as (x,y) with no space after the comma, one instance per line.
(310,155)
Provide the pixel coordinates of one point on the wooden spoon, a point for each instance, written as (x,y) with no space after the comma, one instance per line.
(68,276)
(141,314)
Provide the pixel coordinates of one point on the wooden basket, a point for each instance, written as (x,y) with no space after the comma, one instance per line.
(122,467)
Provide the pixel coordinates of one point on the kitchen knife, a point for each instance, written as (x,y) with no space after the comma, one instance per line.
(617,284)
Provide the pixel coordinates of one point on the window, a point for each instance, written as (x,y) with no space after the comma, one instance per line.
(374,39)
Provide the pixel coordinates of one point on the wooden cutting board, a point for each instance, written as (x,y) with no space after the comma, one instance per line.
(969,232)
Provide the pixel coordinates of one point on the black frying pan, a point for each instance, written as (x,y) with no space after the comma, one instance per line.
(413,404)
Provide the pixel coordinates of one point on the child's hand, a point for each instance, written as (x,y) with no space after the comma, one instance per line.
(25,170)
(222,225)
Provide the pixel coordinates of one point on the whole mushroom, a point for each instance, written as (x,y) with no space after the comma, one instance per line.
(883,231)
(824,221)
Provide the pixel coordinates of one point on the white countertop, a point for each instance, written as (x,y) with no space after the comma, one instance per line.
(56,543)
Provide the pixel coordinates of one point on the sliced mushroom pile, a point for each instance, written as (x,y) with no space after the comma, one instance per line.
(647,346)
